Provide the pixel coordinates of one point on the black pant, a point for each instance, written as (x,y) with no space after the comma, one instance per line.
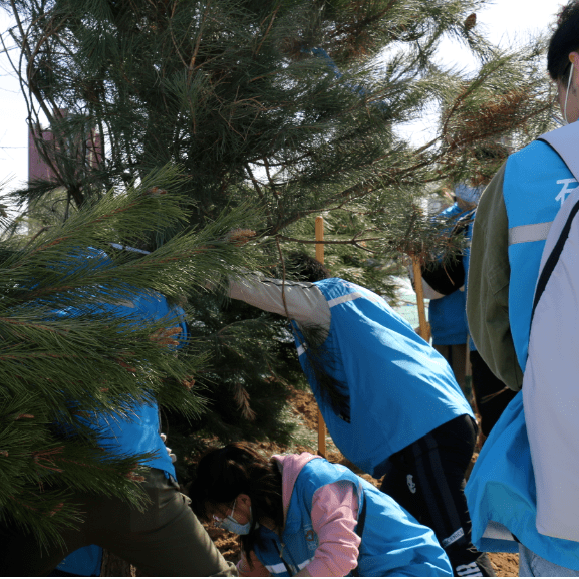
(165,539)
(491,394)
(427,479)
(455,355)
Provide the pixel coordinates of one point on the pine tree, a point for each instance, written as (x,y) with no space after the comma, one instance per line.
(292,105)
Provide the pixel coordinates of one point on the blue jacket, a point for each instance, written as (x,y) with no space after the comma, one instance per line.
(398,387)
(501,491)
(393,542)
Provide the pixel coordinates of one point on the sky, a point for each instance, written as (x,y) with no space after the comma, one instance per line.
(504,20)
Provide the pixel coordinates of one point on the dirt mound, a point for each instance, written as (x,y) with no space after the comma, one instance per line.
(226,542)
(506,564)
(304,404)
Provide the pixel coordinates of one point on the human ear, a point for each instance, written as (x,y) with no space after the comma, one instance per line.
(244,500)
(574,59)
(243,508)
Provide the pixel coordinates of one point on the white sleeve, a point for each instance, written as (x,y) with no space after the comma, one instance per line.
(304,301)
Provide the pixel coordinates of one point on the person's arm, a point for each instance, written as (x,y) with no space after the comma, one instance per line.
(488,286)
(304,301)
(334,518)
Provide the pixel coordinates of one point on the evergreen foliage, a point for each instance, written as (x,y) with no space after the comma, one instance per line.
(63,359)
(246,381)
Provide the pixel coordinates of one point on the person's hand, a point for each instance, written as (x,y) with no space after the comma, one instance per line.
(172,456)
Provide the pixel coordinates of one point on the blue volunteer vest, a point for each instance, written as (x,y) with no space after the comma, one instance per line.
(398,387)
(536,184)
(466,263)
(392,540)
(447,319)
(136,432)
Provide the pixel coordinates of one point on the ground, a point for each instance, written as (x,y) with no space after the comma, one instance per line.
(303,407)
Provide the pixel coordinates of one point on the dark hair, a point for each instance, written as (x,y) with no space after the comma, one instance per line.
(322,363)
(306,268)
(224,473)
(565,40)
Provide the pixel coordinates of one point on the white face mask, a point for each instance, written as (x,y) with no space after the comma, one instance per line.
(231,525)
(567,95)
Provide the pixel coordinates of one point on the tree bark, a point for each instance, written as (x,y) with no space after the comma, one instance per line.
(113,566)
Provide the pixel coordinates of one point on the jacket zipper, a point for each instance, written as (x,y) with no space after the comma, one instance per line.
(280,551)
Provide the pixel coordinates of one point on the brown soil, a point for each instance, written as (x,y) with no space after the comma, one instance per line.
(303,404)
(505,564)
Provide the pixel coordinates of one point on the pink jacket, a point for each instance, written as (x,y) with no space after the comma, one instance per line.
(334,517)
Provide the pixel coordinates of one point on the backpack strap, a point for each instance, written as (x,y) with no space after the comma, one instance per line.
(564,141)
(549,264)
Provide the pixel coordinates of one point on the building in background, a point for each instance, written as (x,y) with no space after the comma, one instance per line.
(57,158)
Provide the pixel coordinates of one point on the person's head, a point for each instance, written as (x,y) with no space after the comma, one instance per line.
(238,487)
(563,60)
(467,197)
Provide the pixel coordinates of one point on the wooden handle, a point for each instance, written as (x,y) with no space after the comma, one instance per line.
(320,237)
(419,299)
(320,258)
